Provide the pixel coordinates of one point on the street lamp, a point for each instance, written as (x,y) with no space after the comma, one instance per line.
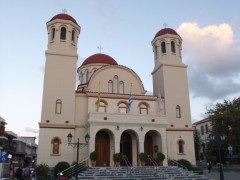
(77,145)
(220,138)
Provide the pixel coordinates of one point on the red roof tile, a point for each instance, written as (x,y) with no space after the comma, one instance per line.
(100,58)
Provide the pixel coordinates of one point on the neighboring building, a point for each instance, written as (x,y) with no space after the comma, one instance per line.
(15,150)
(203,127)
(110,102)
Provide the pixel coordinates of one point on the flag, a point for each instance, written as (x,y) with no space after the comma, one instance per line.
(98,102)
(130,100)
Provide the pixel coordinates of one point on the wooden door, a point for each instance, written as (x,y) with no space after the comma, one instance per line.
(102,147)
(126,146)
(148,145)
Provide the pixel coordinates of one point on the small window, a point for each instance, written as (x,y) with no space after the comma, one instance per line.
(102,105)
(73,36)
(180,146)
(87,76)
(163,46)
(122,107)
(80,78)
(206,128)
(178,111)
(56,145)
(173,49)
(53,34)
(143,108)
(58,108)
(156,50)
(121,87)
(63,33)
(115,84)
(202,130)
(110,86)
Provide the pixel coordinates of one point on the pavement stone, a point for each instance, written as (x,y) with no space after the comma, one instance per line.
(228,175)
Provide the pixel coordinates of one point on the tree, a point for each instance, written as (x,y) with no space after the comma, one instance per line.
(197,144)
(225,118)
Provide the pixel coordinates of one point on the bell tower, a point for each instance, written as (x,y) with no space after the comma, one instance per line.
(58,102)
(60,70)
(170,76)
(170,79)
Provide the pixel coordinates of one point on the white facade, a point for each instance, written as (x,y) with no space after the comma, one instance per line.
(203,128)
(99,106)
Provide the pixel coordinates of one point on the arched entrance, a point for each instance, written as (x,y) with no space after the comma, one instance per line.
(102,147)
(148,144)
(126,145)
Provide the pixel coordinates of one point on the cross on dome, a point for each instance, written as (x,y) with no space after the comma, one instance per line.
(100,48)
(64,10)
(165,25)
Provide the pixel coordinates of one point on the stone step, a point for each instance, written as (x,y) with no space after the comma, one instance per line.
(139,173)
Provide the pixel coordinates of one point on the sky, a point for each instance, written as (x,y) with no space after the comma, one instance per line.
(210,30)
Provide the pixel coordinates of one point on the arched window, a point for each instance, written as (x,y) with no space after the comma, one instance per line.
(53,34)
(178,111)
(87,76)
(58,106)
(173,49)
(73,36)
(180,146)
(80,78)
(110,86)
(63,33)
(122,107)
(115,84)
(102,105)
(163,46)
(143,108)
(156,50)
(56,146)
(121,87)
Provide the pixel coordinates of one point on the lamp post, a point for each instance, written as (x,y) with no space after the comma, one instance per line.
(220,138)
(77,145)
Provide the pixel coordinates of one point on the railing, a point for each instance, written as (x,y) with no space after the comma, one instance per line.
(152,161)
(71,170)
(172,162)
(130,171)
(126,161)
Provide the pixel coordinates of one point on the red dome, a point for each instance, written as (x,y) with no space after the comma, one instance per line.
(64,17)
(100,58)
(166,31)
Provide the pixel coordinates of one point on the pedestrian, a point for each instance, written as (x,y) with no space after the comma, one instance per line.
(19,173)
(209,166)
(27,173)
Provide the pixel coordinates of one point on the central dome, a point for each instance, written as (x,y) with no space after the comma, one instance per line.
(99,58)
(64,17)
(166,31)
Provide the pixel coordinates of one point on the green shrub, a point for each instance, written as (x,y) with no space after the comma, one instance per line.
(143,157)
(185,163)
(118,157)
(42,171)
(61,166)
(93,156)
(160,156)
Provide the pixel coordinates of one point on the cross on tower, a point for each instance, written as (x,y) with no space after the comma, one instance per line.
(165,25)
(100,48)
(64,10)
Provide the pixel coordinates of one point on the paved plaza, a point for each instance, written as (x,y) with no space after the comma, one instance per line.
(228,175)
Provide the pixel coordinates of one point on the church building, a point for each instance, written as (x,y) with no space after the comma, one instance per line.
(110,102)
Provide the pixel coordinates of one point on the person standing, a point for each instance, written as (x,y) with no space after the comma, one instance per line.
(209,166)
(19,172)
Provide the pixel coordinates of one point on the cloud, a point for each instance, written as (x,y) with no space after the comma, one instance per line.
(31,130)
(105,12)
(212,55)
